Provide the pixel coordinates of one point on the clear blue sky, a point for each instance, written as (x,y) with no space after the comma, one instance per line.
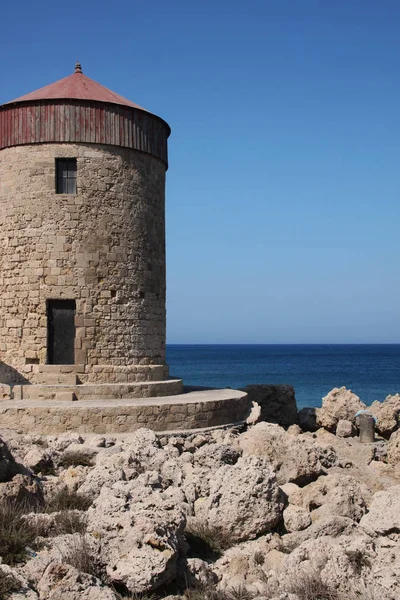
(283,210)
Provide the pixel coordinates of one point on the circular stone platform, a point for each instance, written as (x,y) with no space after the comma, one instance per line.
(192,410)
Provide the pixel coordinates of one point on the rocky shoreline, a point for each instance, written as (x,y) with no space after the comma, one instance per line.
(290,507)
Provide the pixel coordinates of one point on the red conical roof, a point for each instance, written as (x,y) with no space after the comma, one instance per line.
(76,87)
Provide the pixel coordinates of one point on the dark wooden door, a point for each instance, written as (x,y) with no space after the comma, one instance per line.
(61,332)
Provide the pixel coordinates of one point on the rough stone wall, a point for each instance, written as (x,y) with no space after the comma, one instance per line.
(104,247)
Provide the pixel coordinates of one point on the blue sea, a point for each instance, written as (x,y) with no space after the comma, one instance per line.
(372,371)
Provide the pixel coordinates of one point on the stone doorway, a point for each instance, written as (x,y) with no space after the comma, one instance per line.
(61,332)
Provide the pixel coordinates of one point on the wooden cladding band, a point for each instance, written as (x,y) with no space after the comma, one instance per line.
(83,122)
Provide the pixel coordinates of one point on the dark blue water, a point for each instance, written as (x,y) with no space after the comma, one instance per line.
(371,371)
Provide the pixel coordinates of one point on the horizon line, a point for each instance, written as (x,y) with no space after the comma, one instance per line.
(283,343)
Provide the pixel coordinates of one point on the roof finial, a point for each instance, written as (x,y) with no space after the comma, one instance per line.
(78,67)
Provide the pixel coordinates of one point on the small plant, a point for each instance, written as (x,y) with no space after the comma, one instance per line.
(210,592)
(76,458)
(8,585)
(41,443)
(69,521)
(137,596)
(309,586)
(258,558)
(206,541)
(16,533)
(67,500)
(47,469)
(79,554)
(358,560)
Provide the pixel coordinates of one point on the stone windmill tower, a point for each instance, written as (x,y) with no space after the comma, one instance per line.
(82,240)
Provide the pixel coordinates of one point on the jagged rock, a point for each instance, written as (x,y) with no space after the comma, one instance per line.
(339,404)
(296,518)
(326,454)
(324,527)
(393,448)
(308,419)
(107,472)
(255,414)
(294,493)
(73,477)
(384,513)
(387,414)
(335,494)
(338,562)
(198,471)
(198,572)
(233,509)
(8,467)
(345,429)
(277,402)
(294,430)
(249,564)
(63,582)
(123,463)
(38,459)
(294,459)
(22,489)
(213,456)
(59,443)
(17,585)
(141,532)
(380,451)
(199,440)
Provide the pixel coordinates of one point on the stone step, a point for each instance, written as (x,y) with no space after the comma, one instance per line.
(193,411)
(57,378)
(44,368)
(97,391)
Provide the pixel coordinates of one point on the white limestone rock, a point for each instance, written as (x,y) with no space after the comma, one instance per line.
(384,513)
(198,471)
(22,489)
(294,493)
(244,500)
(38,459)
(199,572)
(141,532)
(345,429)
(294,459)
(18,587)
(339,404)
(336,495)
(61,581)
(387,414)
(393,448)
(339,562)
(296,518)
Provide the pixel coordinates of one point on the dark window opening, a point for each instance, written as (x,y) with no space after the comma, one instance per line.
(66,175)
(61,332)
